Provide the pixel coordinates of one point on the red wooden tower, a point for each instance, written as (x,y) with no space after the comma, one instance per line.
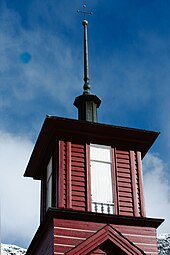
(91,184)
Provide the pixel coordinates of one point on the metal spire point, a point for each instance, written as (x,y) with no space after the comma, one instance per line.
(86,86)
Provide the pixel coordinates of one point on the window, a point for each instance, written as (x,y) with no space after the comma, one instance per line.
(101,178)
(49,185)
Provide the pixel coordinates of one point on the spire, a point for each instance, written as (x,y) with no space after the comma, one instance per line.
(86,64)
(86,103)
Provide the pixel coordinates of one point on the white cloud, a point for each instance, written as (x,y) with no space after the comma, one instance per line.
(157,190)
(19,195)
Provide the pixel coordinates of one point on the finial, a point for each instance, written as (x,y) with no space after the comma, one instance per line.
(86,86)
(84,11)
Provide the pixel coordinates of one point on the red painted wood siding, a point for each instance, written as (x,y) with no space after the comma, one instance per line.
(62,174)
(124,183)
(72,182)
(70,233)
(129,184)
(137,181)
(143,237)
(140,184)
(78,181)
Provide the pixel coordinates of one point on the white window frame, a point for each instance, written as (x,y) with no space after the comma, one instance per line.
(101,185)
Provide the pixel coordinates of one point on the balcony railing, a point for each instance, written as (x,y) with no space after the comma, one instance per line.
(103,207)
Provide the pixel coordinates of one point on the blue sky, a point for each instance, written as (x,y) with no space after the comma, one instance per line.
(41,72)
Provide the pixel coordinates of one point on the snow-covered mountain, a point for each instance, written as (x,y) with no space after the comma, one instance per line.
(164,244)
(8,249)
(163,247)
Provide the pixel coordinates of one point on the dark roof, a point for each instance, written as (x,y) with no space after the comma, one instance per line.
(56,128)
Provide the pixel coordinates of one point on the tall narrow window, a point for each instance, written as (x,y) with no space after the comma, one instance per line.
(49,185)
(101,178)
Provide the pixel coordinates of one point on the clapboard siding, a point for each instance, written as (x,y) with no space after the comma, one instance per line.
(144,238)
(140,184)
(73,180)
(62,174)
(78,182)
(129,183)
(137,184)
(138,202)
(69,233)
(62,235)
(124,183)
(72,183)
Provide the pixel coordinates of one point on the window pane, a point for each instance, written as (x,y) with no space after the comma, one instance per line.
(101,182)
(100,153)
(101,178)
(49,169)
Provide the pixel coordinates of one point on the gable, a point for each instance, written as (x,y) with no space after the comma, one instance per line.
(108,240)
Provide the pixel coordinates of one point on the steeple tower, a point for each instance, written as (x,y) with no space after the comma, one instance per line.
(86,103)
(92,199)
